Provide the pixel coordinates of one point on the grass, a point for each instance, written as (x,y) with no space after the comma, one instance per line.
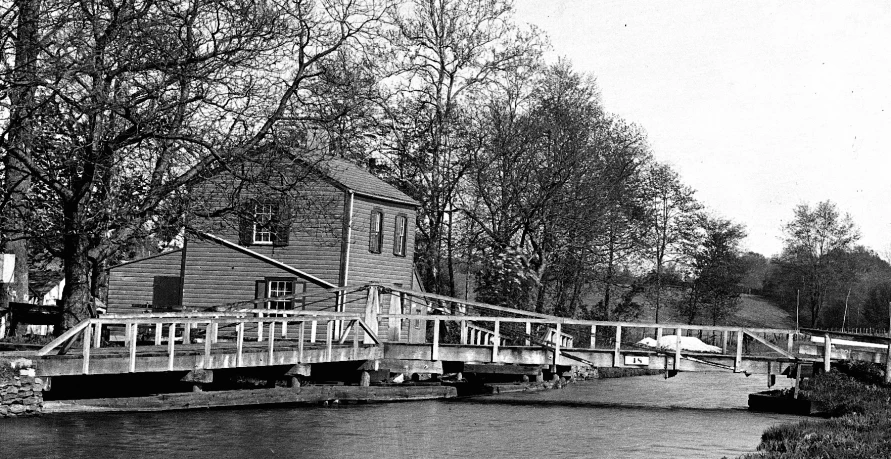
(860,404)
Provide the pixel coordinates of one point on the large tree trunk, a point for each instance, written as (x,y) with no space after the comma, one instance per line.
(76,299)
(18,180)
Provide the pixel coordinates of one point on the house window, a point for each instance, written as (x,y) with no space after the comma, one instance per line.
(376,232)
(264,218)
(399,235)
(277,287)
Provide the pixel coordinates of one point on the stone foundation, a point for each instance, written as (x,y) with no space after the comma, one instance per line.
(21,394)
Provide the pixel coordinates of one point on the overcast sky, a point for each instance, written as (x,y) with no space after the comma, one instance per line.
(760,106)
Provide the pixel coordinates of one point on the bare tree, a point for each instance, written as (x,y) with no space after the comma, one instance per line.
(133,102)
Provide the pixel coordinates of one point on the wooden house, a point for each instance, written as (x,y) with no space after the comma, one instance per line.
(345,227)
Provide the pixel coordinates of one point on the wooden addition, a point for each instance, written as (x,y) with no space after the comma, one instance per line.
(347,227)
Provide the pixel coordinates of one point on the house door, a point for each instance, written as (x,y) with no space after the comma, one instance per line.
(166,292)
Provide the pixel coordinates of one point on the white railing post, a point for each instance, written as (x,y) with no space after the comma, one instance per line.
(312,331)
(207,343)
(464,332)
(97,336)
(132,329)
(88,341)
(171,334)
(739,348)
(557,345)
(827,353)
(618,350)
(259,326)
(790,342)
(593,337)
(434,355)
(301,333)
(159,333)
(239,344)
(329,338)
(678,332)
(495,341)
(271,339)
(528,333)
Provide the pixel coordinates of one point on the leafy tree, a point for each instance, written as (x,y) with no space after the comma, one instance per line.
(717,270)
(815,239)
(671,212)
(133,103)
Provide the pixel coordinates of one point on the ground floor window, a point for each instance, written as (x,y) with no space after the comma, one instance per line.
(277,287)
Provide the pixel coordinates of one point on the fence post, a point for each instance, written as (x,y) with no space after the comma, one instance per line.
(593,336)
(618,348)
(737,363)
(888,365)
(434,353)
(271,339)
(528,333)
(328,340)
(464,332)
(259,326)
(187,333)
(724,341)
(827,353)
(208,333)
(557,345)
(171,334)
(677,347)
(88,341)
(159,333)
(132,330)
(97,336)
(301,333)
(658,335)
(789,343)
(496,341)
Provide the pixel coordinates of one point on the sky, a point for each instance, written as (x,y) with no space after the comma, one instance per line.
(759,105)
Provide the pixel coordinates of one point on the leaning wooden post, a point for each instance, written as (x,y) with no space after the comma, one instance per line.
(677,348)
(434,353)
(171,334)
(496,341)
(827,353)
(593,336)
(88,341)
(737,363)
(617,350)
(557,345)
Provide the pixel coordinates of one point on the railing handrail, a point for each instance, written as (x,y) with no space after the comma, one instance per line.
(568,321)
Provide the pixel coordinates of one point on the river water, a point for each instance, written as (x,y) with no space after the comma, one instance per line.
(689,416)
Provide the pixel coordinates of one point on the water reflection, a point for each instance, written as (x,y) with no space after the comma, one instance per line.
(688,416)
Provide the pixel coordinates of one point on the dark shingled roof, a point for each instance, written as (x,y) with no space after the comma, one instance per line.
(362,182)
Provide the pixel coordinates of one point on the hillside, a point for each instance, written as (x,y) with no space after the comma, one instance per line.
(754,311)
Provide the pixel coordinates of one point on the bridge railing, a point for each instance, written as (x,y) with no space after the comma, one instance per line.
(210,328)
(455,321)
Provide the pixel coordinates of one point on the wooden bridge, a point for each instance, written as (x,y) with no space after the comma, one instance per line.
(416,333)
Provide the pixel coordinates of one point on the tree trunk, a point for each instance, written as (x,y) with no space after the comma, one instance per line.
(76,298)
(18,180)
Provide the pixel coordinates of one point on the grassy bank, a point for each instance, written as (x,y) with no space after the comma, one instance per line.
(861,408)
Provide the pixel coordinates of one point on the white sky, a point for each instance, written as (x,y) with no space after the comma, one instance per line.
(759,105)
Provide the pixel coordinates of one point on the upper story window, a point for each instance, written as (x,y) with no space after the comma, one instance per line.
(263,223)
(399,235)
(264,218)
(376,231)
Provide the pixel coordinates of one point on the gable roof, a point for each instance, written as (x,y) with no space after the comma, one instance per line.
(362,182)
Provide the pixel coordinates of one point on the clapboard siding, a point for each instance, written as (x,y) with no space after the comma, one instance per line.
(132,283)
(216,275)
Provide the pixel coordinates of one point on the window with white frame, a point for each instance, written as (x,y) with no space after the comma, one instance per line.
(264,218)
(399,235)
(376,231)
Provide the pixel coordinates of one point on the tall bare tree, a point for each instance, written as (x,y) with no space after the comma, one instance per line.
(134,101)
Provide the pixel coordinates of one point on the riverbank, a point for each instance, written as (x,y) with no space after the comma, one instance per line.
(859,403)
